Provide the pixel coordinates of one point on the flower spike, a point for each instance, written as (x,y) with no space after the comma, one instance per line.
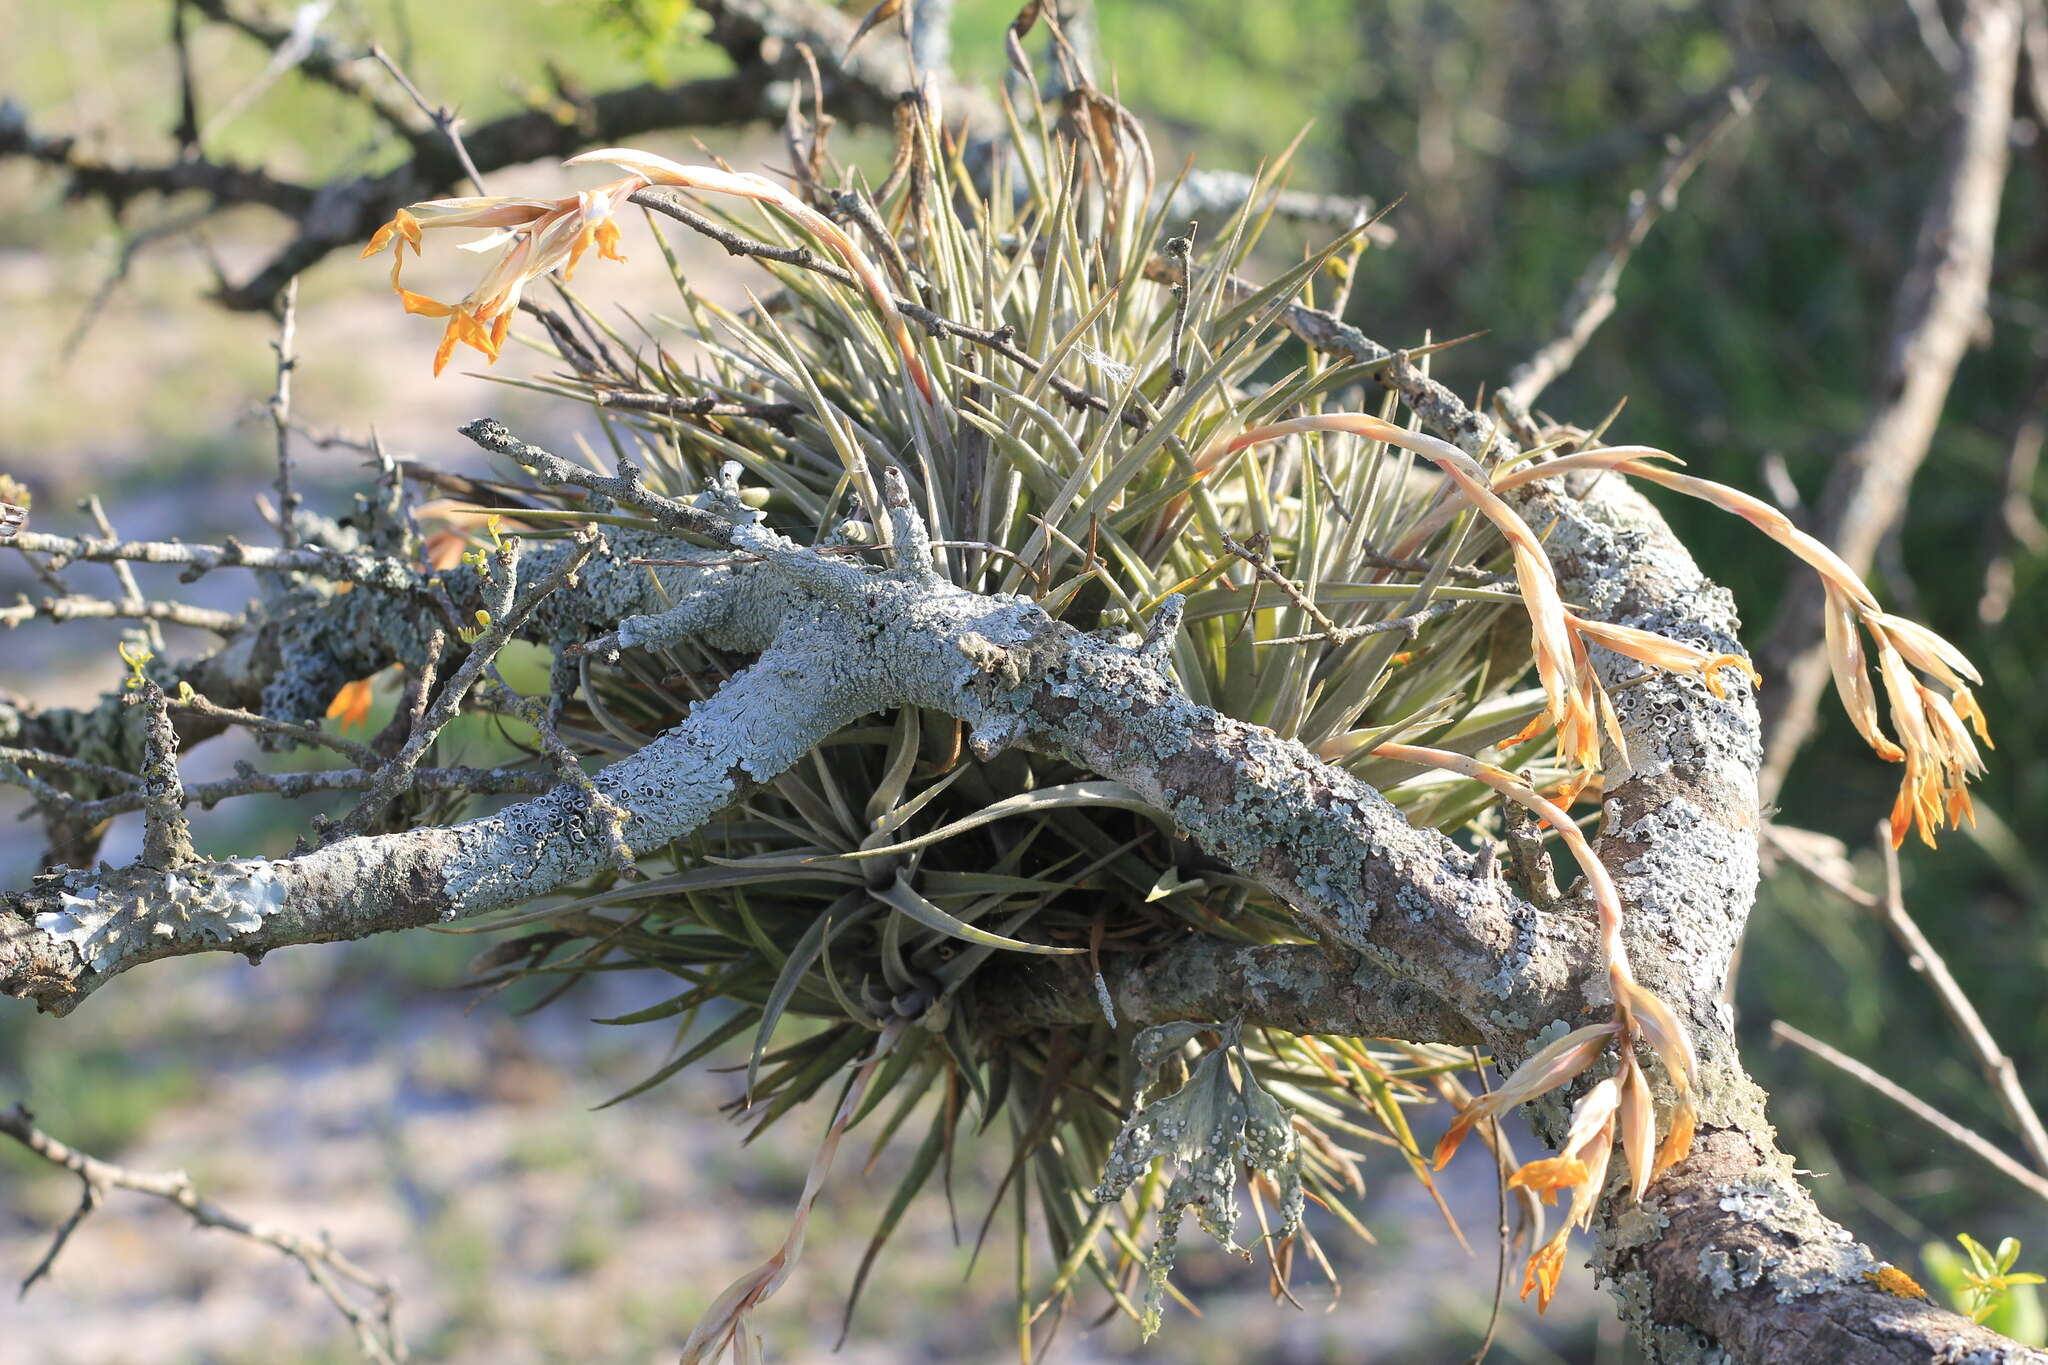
(1939,755)
(1617,1108)
(530,238)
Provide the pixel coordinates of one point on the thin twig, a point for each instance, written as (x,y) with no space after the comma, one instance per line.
(166,842)
(2018,523)
(270,725)
(1592,299)
(1915,1106)
(42,758)
(133,244)
(186,130)
(291,786)
(1181,250)
(75,608)
(1408,625)
(281,415)
(1999,1072)
(623,488)
(1261,566)
(1503,1230)
(375,1325)
(291,48)
(675,405)
(317,60)
(369,570)
(1833,872)
(123,574)
(445,120)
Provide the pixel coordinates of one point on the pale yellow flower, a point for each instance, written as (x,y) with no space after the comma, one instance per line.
(536,237)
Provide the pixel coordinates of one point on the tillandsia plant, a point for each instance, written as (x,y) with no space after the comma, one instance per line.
(1145,500)
(1027,657)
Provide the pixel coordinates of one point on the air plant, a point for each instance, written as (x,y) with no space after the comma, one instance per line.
(1074,426)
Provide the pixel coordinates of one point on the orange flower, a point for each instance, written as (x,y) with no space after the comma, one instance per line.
(1580,1166)
(351,705)
(532,237)
(1660,651)
(1545,1070)
(535,237)
(1548,1176)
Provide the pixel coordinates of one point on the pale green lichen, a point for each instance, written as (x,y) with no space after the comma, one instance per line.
(1216,1127)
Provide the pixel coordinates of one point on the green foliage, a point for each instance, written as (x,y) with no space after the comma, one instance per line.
(650,30)
(1984,1284)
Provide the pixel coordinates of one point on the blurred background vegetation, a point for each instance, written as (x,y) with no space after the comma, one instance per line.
(1748,339)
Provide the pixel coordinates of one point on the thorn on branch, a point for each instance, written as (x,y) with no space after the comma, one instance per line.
(1180,250)
(907,527)
(288,499)
(123,573)
(1531,859)
(989,739)
(624,488)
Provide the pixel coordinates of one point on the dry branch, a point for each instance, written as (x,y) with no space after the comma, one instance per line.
(1592,299)
(373,1322)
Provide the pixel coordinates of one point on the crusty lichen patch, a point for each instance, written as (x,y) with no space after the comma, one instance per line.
(1808,1255)
(218,903)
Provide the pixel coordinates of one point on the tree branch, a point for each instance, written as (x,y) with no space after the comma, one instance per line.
(375,1328)
(1592,299)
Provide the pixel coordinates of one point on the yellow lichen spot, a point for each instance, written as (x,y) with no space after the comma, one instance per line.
(1893,1280)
